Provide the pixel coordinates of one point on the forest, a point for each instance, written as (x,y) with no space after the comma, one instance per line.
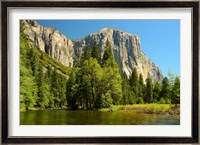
(95,82)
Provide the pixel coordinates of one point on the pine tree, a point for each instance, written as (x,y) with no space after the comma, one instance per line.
(112,81)
(141,89)
(165,92)
(128,95)
(95,52)
(86,54)
(28,87)
(141,80)
(149,90)
(176,91)
(107,52)
(134,82)
(34,61)
(50,82)
(71,90)
(43,89)
(156,92)
(62,90)
(92,75)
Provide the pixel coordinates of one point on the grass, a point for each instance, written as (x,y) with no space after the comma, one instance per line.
(32,109)
(170,109)
(35,109)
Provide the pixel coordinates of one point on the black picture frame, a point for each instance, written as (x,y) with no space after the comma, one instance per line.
(83,4)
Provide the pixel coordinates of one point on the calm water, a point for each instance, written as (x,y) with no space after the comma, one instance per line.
(69,117)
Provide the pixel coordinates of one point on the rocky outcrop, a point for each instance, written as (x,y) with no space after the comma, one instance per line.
(126,48)
(51,41)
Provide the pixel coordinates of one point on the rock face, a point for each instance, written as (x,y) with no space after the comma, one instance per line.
(126,50)
(125,47)
(51,41)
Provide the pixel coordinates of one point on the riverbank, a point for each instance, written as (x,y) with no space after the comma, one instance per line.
(168,109)
(35,109)
(32,109)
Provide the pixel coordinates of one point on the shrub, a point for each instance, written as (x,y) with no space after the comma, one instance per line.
(140,100)
(162,101)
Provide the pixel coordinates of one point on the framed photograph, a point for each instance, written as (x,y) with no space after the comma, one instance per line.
(99,72)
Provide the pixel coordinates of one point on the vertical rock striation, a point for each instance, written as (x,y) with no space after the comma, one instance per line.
(125,47)
(126,50)
(51,41)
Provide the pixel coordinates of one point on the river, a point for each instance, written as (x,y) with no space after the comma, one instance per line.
(70,117)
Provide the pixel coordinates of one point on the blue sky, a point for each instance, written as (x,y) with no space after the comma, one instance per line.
(160,39)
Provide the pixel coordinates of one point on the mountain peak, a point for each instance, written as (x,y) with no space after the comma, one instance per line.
(125,48)
(108,29)
(105,30)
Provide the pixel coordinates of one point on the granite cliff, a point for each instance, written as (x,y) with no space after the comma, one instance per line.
(126,50)
(125,47)
(51,41)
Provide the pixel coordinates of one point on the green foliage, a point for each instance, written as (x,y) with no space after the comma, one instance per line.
(162,101)
(112,81)
(149,90)
(106,100)
(140,100)
(98,86)
(62,90)
(171,77)
(95,52)
(58,89)
(128,95)
(95,86)
(146,108)
(46,83)
(176,91)
(156,91)
(30,50)
(49,81)
(165,92)
(86,54)
(72,90)
(34,60)
(36,84)
(134,82)
(47,60)
(107,52)
(92,75)
(28,87)
(167,101)
(43,89)
(141,87)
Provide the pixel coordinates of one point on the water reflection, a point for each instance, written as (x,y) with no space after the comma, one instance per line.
(70,117)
